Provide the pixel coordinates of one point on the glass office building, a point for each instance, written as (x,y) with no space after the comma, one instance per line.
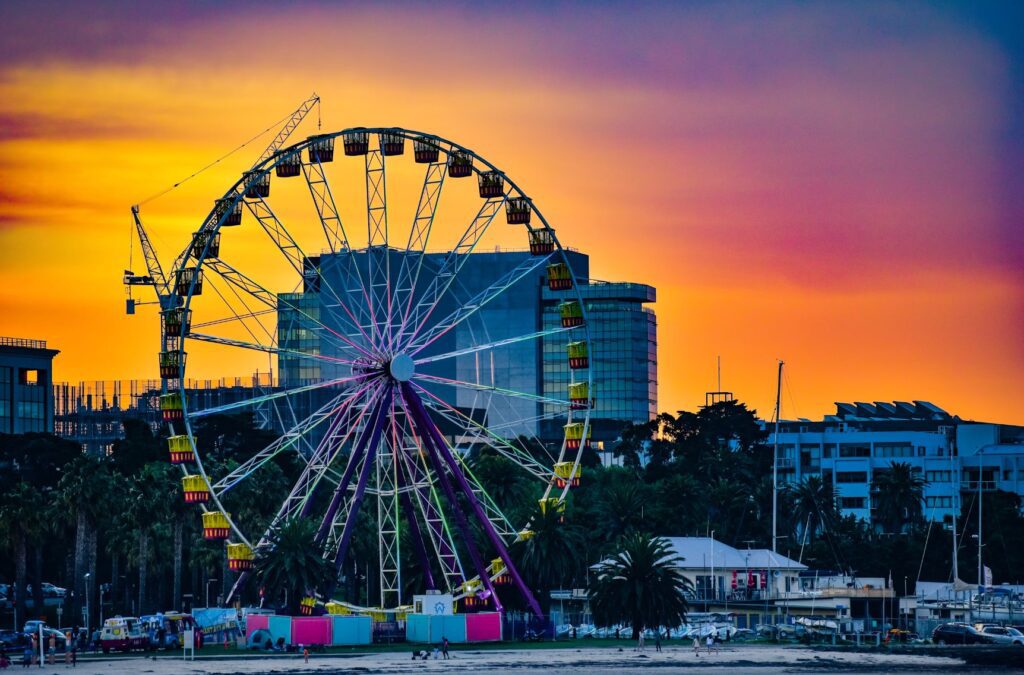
(622,327)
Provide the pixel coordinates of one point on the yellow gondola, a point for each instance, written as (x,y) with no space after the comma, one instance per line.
(171,407)
(542,242)
(215,526)
(180,449)
(574,436)
(559,277)
(195,488)
(571,313)
(579,356)
(240,557)
(566,474)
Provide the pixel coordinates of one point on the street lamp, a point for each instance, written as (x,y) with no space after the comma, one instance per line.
(87,594)
(208,582)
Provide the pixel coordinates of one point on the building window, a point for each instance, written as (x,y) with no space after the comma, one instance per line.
(938,502)
(31,376)
(894,450)
(854,450)
(938,476)
(851,476)
(851,502)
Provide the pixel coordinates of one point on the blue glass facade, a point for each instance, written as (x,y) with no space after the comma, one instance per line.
(622,330)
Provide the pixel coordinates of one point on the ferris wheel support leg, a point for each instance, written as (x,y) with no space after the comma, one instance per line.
(427,435)
(361,448)
(439,450)
(451,567)
(237,587)
(414,528)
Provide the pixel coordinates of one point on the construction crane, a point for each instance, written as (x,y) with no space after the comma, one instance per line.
(154,272)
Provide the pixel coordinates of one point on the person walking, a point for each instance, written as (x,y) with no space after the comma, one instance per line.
(710,643)
(640,641)
(696,646)
(444,647)
(657,640)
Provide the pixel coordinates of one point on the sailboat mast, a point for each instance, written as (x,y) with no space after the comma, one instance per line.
(775,464)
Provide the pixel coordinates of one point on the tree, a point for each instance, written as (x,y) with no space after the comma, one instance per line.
(548,559)
(897,494)
(812,505)
(641,586)
(291,565)
(21,510)
(83,491)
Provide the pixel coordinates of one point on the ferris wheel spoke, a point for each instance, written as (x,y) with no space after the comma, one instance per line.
(236,317)
(450,268)
(509,393)
(278,302)
(304,266)
(337,240)
(484,435)
(295,353)
(256,400)
(416,246)
(342,428)
(491,345)
(465,311)
(290,439)
(377,242)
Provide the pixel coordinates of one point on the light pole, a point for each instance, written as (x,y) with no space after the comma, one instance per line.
(87,594)
(208,582)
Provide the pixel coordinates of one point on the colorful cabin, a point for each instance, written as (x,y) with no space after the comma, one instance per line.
(257,184)
(559,277)
(320,149)
(228,211)
(189,278)
(205,245)
(171,407)
(571,313)
(171,363)
(240,557)
(525,535)
(553,505)
(215,526)
(356,142)
(470,601)
(392,143)
(579,355)
(499,568)
(518,210)
(306,605)
(460,164)
(424,151)
(491,183)
(336,609)
(542,242)
(575,437)
(180,449)
(579,396)
(567,473)
(177,322)
(289,165)
(196,489)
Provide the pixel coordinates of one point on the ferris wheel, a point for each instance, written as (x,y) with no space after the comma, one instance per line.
(354,276)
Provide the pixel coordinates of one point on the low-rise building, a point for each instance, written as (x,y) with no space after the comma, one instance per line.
(26,399)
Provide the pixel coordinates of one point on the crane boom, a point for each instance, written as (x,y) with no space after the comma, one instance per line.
(155,275)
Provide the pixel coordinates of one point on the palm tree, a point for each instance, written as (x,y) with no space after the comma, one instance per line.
(83,488)
(813,506)
(897,494)
(642,586)
(20,522)
(549,558)
(291,565)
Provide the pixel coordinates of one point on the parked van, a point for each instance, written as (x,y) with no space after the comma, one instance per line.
(123,633)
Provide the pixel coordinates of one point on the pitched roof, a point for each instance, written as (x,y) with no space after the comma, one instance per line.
(704,552)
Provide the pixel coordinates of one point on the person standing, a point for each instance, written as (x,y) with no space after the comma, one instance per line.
(51,651)
(640,641)
(657,640)
(710,642)
(444,647)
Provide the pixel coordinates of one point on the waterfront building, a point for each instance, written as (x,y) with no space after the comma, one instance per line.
(860,441)
(26,399)
(623,342)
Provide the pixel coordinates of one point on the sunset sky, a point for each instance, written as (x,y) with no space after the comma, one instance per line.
(834,184)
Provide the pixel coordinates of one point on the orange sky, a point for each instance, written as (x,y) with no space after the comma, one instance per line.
(827,185)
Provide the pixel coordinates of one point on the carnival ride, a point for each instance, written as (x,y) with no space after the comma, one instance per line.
(373,317)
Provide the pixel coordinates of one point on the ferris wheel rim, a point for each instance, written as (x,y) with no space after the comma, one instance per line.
(237,194)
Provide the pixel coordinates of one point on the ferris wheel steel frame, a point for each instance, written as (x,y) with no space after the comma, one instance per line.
(381,333)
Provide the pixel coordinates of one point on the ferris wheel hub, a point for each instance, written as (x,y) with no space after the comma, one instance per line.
(401,367)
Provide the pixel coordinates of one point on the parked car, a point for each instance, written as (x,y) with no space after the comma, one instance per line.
(960,634)
(1004,635)
(13,642)
(51,591)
